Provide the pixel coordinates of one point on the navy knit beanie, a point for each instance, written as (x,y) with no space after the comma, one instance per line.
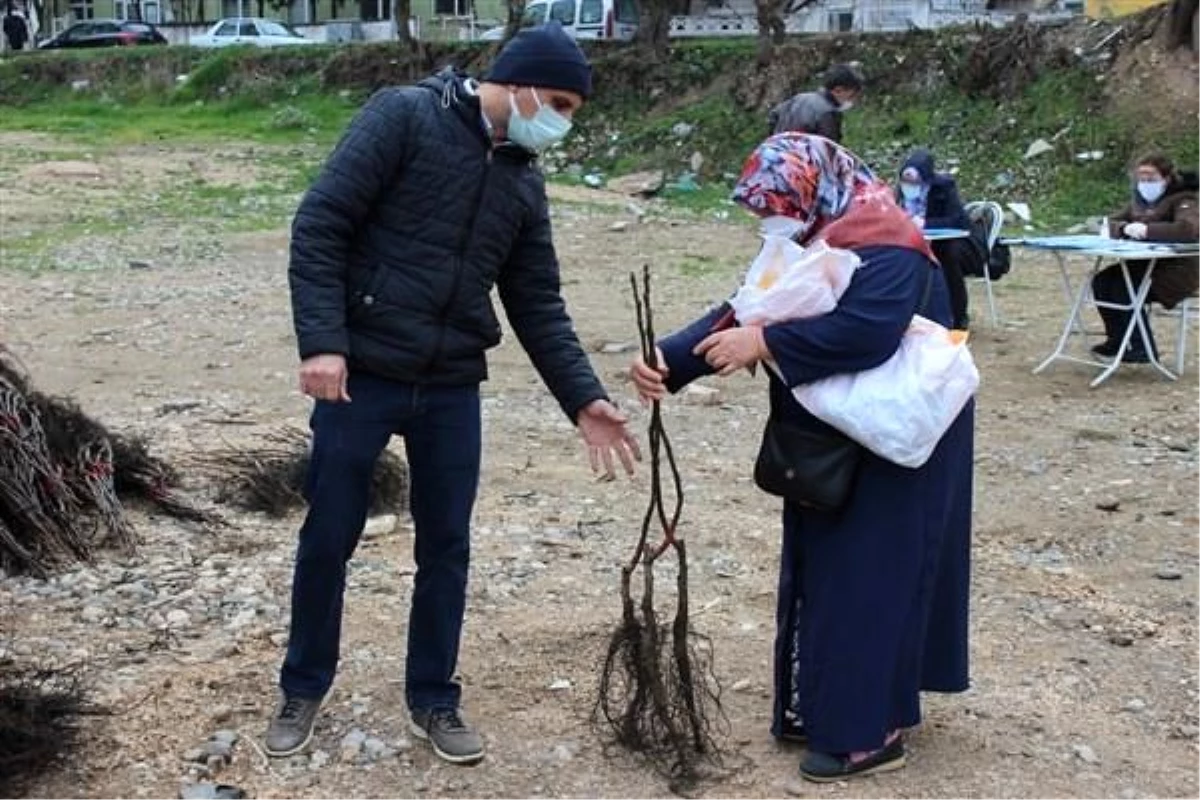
(543,56)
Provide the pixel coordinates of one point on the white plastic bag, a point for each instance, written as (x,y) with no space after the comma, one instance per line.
(787,281)
(901,409)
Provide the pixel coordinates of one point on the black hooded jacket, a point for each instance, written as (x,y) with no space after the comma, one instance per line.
(397,245)
(943,206)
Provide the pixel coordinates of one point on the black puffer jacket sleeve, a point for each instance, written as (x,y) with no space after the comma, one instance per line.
(530,289)
(323,232)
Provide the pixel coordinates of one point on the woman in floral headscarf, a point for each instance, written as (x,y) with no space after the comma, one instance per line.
(872,605)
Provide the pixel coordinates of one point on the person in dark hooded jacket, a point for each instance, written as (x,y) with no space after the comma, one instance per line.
(16,30)
(430,200)
(1163,209)
(931,199)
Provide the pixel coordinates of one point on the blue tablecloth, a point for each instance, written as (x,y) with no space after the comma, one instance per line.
(1094,242)
(934,234)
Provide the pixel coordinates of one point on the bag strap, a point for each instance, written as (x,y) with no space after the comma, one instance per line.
(923,306)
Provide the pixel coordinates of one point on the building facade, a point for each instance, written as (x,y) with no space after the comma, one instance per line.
(296,12)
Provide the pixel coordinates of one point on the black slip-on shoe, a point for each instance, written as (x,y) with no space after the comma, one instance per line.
(828,768)
(1135,357)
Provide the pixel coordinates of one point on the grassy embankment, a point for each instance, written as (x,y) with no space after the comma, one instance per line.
(283,110)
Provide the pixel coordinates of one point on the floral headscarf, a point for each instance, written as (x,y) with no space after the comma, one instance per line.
(816,182)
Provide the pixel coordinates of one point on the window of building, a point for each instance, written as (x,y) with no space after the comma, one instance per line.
(842,21)
(374,10)
(452,8)
(83,9)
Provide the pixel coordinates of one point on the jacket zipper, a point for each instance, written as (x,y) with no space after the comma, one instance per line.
(463,240)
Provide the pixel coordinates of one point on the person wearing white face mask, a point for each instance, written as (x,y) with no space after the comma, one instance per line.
(1163,209)
(820,112)
(429,201)
(931,199)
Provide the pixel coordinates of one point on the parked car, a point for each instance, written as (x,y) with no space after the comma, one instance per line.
(583,19)
(105,33)
(250,31)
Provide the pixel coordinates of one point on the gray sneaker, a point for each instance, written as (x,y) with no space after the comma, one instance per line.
(452,738)
(291,728)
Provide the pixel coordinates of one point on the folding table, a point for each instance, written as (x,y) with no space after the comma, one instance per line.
(1102,250)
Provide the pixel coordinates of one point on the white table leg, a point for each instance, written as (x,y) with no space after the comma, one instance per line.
(1073,325)
(1136,322)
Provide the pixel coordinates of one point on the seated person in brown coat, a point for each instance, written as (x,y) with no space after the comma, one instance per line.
(1163,209)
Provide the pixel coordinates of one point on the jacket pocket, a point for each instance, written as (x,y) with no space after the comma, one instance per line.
(365,294)
(490,324)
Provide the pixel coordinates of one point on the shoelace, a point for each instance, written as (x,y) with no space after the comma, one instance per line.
(450,719)
(292,708)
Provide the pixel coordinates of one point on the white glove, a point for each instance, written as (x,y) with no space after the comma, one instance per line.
(1135,230)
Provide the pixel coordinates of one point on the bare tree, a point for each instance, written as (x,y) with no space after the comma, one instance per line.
(281,7)
(1182,24)
(772,24)
(654,26)
(516,10)
(402,14)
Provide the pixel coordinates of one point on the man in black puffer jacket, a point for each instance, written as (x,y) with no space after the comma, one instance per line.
(429,201)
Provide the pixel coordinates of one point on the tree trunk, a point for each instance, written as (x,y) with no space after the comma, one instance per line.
(516,10)
(654,28)
(771,28)
(1181,24)
(402,13)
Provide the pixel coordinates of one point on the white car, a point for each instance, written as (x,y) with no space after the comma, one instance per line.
(250,31)
(581,19)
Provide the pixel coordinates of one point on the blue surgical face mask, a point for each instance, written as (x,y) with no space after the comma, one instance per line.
(1151,190)
(911,191)
(544,129)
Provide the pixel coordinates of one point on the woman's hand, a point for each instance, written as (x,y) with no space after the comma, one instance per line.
(650,382)
(1135,230)
(734,349)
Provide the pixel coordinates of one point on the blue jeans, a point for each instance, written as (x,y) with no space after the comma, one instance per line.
(441,430)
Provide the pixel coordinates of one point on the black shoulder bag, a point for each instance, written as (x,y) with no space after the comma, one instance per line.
(814,468)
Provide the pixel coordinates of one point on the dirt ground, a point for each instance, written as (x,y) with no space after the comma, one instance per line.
(1084,634)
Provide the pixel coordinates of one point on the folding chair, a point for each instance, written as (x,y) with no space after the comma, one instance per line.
(992,216)
(1187,312)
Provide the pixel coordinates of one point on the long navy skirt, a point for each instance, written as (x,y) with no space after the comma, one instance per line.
(873,600)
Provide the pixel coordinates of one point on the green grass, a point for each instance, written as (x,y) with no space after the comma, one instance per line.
(292,106)
(985,142)
(309,119)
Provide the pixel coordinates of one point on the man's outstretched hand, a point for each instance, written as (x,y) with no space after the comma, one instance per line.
(605,431)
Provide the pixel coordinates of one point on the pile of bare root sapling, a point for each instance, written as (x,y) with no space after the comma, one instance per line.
(658,695)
